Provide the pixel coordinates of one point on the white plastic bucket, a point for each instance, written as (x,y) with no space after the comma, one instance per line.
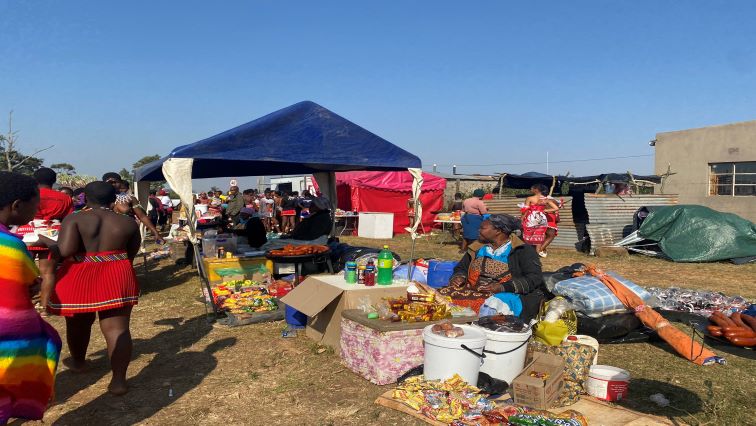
(447,356)
(200,208)
(505,353)
(607,383)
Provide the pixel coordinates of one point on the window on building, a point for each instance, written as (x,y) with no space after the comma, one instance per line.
(733,179)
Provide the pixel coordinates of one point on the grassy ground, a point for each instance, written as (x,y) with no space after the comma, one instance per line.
(186,370)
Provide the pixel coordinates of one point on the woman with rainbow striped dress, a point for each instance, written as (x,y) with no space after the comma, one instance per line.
(29,346)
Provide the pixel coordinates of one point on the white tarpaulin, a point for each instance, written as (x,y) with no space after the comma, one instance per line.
(142,194)
(417,184)
(178,173)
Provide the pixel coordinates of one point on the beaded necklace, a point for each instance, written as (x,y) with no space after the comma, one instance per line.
(89,209)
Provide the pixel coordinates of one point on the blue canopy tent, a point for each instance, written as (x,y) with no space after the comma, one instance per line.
(300,139)
(303,138)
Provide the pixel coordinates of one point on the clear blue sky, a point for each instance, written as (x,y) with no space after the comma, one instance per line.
(453,82)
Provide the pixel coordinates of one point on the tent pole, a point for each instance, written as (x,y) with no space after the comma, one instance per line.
(333,199)
(417,183)
(553,184)
(204,281)
(412,261)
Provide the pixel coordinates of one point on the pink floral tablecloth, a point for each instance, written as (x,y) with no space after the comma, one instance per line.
(380,357)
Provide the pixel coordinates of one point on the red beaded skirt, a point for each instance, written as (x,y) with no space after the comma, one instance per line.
(94,282)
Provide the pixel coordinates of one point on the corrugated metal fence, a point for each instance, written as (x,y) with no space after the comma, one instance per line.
(611,216)
(569,232)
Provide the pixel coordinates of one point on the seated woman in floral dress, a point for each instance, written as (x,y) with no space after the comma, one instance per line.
(500,262)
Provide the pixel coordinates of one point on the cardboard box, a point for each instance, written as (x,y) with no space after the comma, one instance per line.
(323,297)
(532,391)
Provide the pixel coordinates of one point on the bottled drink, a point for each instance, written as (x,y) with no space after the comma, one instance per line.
(385,267)
(361,274)
(370,274)
(350,273)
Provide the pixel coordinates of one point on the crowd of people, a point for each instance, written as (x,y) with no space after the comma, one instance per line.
(260,216)
(279,211)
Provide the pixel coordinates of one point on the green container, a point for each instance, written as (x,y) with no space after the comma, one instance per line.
(350,273)
(385,267)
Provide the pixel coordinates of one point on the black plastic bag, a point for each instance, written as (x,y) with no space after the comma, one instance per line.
(414,371)
(491,385)
(561,274)
(608,327)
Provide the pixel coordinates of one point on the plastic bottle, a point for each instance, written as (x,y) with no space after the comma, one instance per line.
(350,273)
(370,274)
(385,267)
(361,274)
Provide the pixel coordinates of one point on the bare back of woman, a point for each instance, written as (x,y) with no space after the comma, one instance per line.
(101,230)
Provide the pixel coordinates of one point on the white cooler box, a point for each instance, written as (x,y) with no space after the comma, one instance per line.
(376,225)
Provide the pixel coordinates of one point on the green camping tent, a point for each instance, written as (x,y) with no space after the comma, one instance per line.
(689,233)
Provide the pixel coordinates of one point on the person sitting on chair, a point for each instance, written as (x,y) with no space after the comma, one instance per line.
(317,225)
(315,229)
(251,226)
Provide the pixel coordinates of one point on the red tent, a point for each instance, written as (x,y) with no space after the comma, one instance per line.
(388,192)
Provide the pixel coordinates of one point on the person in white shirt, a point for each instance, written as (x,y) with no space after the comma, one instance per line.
(165,200)
(167,204)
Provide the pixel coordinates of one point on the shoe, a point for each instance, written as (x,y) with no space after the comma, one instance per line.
(542,253)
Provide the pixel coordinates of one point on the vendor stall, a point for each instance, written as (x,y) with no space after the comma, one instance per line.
(304,138)
(389,192)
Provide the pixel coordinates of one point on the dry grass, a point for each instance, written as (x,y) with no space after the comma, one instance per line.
(250,375)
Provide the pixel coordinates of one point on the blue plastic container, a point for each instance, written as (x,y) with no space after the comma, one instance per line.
(439,273)
(294,318)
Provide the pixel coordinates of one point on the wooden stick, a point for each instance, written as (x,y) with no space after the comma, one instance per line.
(553,184)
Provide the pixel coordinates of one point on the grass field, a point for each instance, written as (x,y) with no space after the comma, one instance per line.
(189,371)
